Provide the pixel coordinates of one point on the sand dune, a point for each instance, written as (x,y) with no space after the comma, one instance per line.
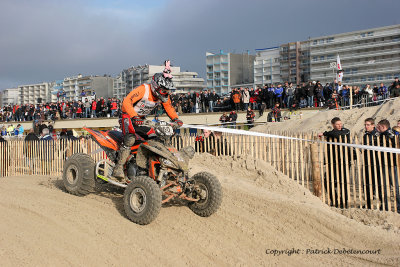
(262,209)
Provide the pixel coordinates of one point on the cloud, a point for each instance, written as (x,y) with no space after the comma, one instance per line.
(49,40)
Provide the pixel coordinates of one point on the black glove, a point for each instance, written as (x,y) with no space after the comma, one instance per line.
(178,122)
(137,121)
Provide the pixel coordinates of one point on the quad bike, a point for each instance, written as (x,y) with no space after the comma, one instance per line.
(155,174)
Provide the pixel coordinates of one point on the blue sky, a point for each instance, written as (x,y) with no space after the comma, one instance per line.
(47,40)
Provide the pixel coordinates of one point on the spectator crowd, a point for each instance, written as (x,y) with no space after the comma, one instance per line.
(380,168)
(311,94)
(287,95)
(101,107)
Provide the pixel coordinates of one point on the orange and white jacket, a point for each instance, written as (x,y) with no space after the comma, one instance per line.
(140,102)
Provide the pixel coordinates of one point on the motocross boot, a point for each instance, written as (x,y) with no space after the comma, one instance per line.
(118,171)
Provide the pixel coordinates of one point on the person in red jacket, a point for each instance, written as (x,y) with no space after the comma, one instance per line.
(139,103)
(114,107)
(94,106)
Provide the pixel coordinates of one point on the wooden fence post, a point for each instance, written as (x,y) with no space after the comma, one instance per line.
(316,173)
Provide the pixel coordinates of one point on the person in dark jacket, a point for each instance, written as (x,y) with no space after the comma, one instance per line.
(250,117)
(224,119)
(233,118)
(370,139)
(388,140)
(337,188)
(276,113)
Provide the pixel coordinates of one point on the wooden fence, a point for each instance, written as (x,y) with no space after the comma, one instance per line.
(340,176)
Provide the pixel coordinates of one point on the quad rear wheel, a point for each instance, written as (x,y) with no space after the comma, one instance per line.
(79,174)
(142,200)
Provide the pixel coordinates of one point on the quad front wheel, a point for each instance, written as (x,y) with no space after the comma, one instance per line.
(208,191)
(142,200)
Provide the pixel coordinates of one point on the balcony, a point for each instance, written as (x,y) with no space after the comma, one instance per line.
(352,38)
(362,55)
(363,63)
(354,47)
(359,73)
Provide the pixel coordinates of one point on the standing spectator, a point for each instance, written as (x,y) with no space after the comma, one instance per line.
(236,99)
(114,107)
(213,98)
(290,92)
(271,97)
(246,98)
(369,93)
(395,91)
(388,140)
(338,160)
(278,94)
(79,110)
(370,139)
(46,150)
(29,143)
(310,94)
(263,106)
(87,107)
(382,92)
(94,108)
(376,93)
(345,93)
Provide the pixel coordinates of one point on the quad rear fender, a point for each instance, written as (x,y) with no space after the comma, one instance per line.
(103,139)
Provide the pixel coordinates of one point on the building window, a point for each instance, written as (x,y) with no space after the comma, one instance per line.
(276,60)
(292,55)
(315,42)
(293,71)
(315,59)
(371,78)
(388,76)
(329,57)
(322,58)
(354,71)
(330,40)
(293,63)
(362,35)
(379,77)
(370,33)
(321,41)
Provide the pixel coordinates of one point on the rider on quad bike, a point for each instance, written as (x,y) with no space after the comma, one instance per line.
(139,103)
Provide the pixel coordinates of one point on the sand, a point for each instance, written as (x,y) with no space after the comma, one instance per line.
(320,121)
(262,210)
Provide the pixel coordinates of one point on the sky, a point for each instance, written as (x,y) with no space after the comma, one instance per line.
(47,40)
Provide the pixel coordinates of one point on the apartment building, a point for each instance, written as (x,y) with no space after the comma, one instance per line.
(368,56)
(76,87)
(35,93)
(9,97)
(267,66)
(187,81)
(295,62)
(227,70)
(132,77)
